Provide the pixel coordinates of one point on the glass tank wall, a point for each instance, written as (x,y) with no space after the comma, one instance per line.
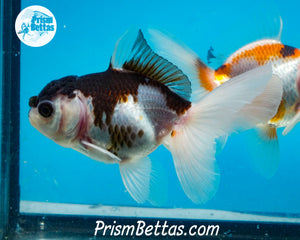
(10,121)
(84,42)
(1,184)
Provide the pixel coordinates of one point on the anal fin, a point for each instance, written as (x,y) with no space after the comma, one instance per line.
(265,151)
(144,180)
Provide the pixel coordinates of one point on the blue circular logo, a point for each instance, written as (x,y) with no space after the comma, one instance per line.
(35,26)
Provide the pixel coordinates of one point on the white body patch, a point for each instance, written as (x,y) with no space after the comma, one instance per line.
(136,127)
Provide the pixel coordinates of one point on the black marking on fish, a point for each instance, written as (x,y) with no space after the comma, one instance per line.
(221,67)
(65,86)
(287,51)
(120,137)
(132,136)
(107,89)
(141,133)
(33,101)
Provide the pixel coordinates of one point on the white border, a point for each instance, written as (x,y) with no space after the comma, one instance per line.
(30,207)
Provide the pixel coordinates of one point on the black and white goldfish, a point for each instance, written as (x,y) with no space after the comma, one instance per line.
(142,101)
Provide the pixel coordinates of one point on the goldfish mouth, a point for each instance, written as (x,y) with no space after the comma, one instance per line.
(32,104)
(31,118)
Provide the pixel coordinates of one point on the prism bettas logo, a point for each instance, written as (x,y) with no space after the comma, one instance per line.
(35,26)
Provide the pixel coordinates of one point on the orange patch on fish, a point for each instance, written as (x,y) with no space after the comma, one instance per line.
(173,133)
(222,74)
(262,54)
(280,112)
(206,77)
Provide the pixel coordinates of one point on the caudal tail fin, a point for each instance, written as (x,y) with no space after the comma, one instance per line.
(193,144)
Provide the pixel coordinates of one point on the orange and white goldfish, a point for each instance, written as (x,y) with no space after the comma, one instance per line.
(141,101)
(285,61)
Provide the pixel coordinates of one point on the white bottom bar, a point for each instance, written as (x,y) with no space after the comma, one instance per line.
(136,212)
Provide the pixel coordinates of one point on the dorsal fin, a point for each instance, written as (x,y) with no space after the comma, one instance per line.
(137,56)
(278,37)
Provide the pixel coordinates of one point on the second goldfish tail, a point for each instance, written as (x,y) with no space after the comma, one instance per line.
(193,144)
(264,150)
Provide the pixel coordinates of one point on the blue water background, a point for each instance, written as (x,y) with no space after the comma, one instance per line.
(84,42)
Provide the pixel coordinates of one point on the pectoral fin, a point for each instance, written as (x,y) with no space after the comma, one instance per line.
(292,123)
(98,153)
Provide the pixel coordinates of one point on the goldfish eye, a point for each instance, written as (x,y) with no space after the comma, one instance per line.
(45,109)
